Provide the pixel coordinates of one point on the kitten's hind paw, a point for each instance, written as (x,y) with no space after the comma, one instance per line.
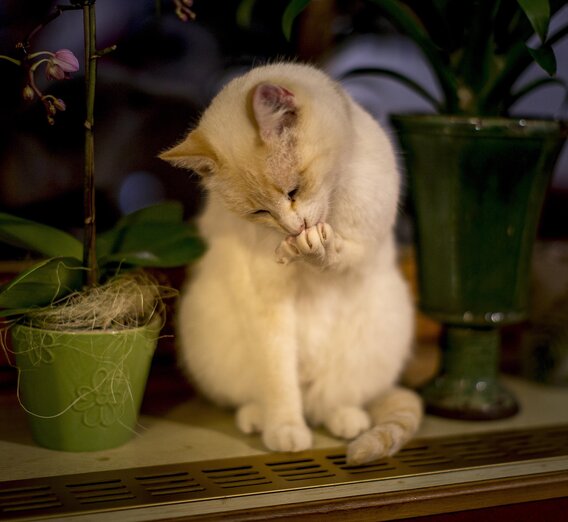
(288,437)
(249,418)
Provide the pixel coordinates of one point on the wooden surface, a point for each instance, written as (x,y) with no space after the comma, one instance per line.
(519,494)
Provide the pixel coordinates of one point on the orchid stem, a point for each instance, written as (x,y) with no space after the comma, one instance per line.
(13,60)
(89,240)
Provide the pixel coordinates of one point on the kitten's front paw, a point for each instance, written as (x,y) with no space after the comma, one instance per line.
(317,245)
(314,241)
(286,252)
(288,437)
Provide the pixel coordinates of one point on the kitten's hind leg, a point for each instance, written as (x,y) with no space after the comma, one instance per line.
(396,417)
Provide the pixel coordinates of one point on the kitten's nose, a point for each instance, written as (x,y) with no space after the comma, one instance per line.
(296,226)
(302,227)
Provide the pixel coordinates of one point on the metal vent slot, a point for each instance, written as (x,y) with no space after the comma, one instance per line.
(424,463)
(305,469)
(559,434)
(24,499)
(292,465)
(413,449)
(538,450)
(484,454)
(195,482)
(466,443)
(373,467)
(531,444)
(95,492)
(423,456)
(170,484)
(236,477)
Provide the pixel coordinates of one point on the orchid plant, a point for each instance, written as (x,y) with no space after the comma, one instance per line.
(152,237)
(476,49)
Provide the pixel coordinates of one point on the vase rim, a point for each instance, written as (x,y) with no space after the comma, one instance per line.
(468,123)
(155,322)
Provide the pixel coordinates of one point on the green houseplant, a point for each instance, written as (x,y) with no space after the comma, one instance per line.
(83,326)
(477,178)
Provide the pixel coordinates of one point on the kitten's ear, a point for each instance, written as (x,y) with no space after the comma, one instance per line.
(193,153)
(274,109)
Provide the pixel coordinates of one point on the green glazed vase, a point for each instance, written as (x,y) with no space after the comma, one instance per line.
(82,391)
(477,187)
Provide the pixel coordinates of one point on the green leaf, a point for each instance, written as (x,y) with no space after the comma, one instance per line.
(244,13)
(42,284)
(157,245)
(536,84)
(40,238)
(538,13)
(545,57)
(166,212)
(405,80)
(408,23)
(293,9)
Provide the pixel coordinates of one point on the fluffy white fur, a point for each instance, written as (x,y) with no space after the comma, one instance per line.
(297,314)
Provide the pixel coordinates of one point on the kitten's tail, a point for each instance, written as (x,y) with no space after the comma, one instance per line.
(396,417)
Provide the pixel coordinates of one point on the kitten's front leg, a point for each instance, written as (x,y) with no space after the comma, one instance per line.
(274,405)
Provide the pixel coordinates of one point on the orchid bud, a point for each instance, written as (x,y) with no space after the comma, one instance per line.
(59,104)
(183,11)
(66,60)
(28,93)
(51,108)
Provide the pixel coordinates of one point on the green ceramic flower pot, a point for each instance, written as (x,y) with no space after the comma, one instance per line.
(477,188)
(82,390)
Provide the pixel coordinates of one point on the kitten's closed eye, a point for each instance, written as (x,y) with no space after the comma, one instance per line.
(258,212)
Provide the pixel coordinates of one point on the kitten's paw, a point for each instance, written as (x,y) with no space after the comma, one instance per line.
(326,234)
(288,437)
(286,252)
(348,421)
(317,244)
(309,243)
(249,418)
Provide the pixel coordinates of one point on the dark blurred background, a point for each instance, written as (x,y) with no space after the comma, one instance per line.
(162,75)
(153,88)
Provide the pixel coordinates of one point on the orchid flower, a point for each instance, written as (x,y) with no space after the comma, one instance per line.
(61,64)
(58,66)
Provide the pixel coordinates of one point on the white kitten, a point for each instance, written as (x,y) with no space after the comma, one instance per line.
(297,311)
